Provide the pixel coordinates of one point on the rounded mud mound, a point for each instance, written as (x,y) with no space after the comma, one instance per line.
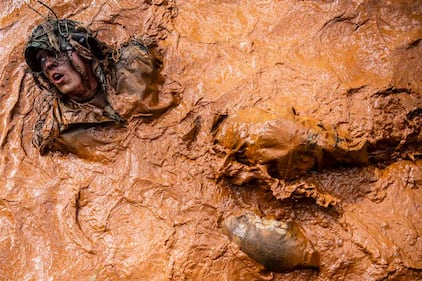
(294,152)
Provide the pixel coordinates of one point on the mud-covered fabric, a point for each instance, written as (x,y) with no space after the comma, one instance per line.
(137,84)
(134,81)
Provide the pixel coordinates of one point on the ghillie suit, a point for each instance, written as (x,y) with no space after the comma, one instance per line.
(129,78)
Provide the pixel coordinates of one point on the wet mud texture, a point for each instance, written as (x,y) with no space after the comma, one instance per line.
(150,201)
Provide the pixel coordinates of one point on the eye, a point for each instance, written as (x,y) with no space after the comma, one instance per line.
(42,59)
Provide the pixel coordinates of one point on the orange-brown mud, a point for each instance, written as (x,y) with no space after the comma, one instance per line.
(147,204)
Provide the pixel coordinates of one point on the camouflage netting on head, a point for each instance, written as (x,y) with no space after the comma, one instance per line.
(61,36)
(64,36)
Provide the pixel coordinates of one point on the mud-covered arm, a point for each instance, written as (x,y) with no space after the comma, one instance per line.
(46,128)
(138,84)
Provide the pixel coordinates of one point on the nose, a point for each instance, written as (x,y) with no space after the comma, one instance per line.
(48,61)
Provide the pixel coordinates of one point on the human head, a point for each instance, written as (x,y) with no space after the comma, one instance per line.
(68,46)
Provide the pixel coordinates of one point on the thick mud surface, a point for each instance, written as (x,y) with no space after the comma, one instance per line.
(304,112)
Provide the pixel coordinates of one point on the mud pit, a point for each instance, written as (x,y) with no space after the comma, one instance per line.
(149,202)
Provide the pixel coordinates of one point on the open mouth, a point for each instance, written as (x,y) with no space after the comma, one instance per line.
(57,77)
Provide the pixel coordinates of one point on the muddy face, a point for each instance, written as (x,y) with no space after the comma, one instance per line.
(77,85)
